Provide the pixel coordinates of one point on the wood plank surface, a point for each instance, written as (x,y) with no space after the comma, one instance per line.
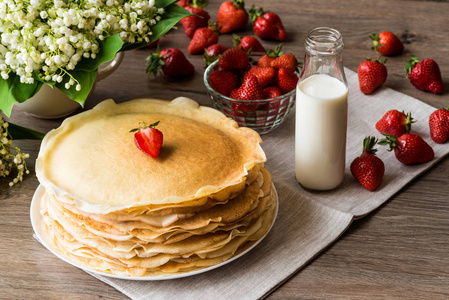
(400,251)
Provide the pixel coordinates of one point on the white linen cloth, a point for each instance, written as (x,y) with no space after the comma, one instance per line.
(307,222)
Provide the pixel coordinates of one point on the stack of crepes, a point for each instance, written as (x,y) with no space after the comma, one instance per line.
(111,208)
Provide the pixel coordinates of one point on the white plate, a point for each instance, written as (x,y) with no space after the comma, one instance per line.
(45,239)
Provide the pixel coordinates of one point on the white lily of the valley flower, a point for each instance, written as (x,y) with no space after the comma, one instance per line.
(48,37)
(9,161)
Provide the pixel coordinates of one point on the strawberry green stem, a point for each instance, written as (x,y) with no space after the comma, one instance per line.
(378,59)
(209,59)
(254,13)
(389,140)
(142,125)
(276,52)
(375,38)
(236,39)
(154,63)
(239,4)
(198,3)
(409,122)
(153,125)
(368,145)
(214,27)
(410,64)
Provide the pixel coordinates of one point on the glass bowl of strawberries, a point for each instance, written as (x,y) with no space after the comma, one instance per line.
(258,97)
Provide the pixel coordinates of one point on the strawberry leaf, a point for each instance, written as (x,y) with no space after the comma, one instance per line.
(142,125)
(209,59)
(368,145)
(154,63)
(410,64)
(198,3)
(239,4)
(254,13)
(389,140)
(409,121)
(236,39)
(154,124)
(375,38)
(276,52)
(377,59)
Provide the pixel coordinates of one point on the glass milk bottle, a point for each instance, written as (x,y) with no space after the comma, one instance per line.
(321,112)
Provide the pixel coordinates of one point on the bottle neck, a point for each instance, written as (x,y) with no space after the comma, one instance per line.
(324,41)
(324,47)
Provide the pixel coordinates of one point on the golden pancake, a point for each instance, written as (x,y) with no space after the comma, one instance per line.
(162,263)
(91,158)
(130,248)
(111,208)
(127,230)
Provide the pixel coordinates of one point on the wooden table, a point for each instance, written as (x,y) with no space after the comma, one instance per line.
(398,251)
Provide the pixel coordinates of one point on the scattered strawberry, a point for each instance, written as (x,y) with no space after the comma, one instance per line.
(216,50)
(192,23)
(395,123)
(439,125)
(248,43)
(153,44)
(234,59)
(203,38)
(184,3)
(368,169)
(249,90)
(232,16)
(372,74)
(271,92)
(223,82)
(409,148)
(264,75)
(267,25)
(287,61)
(148,139)
(387,43)
(287,80)
(172,62)
(424,75)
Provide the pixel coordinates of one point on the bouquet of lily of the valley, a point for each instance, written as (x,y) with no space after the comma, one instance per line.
(63,42)
(11,157)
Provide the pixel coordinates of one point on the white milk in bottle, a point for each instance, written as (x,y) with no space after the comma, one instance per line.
(321,113)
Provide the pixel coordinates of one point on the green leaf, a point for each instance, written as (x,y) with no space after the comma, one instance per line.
(164,3)
(108,49)
(12,91)
(173,13)
(7,100)
(85,78)
(22,133)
